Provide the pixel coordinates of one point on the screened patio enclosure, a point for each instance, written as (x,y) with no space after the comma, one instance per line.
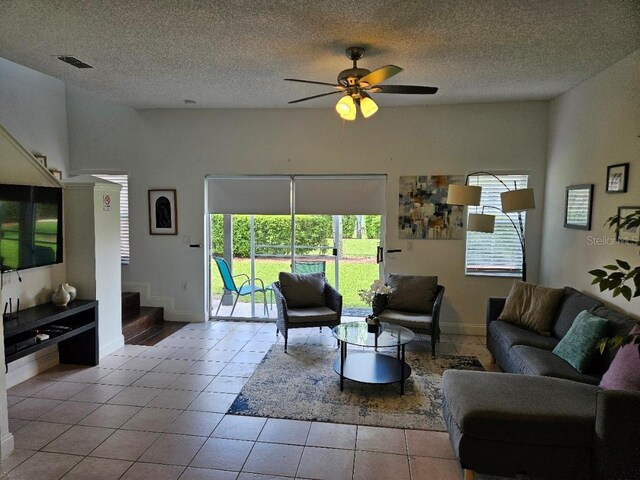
(262,225)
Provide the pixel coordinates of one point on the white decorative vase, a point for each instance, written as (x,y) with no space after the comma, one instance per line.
(71,291)
(60,297)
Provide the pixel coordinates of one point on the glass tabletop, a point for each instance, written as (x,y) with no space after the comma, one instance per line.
(389,335)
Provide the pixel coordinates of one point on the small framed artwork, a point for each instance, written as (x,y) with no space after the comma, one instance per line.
(577,209)
(163,213)
(617,178)
(42,160)
(630,233)
(56,173)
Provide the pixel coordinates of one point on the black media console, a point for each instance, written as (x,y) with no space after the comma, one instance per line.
(74,328)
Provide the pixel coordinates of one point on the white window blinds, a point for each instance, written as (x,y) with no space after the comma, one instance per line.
(497,253)
(122,180)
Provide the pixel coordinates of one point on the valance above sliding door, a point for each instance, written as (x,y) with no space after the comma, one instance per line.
(249,195)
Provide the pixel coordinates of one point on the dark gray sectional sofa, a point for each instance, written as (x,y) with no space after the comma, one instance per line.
(517,350)
(543,418)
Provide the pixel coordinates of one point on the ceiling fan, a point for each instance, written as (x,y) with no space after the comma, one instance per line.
(357,83)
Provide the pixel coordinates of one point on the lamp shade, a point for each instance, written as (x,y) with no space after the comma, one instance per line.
(518,200)
(464,195)
(346,108)
(368,107)
(481,222)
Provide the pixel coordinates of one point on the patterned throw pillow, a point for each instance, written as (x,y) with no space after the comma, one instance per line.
(624,371)
(532,306)
(580,345)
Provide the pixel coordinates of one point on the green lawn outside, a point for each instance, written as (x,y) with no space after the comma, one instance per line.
(364,247)
(9,251)
(354,276)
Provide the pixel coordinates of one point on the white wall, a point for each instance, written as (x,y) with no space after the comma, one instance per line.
(593,125)
(177,148)
(33,110)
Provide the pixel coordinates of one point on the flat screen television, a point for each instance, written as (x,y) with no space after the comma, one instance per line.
(30,226)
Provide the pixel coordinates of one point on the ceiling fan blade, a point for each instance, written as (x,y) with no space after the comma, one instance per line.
(311,81)
(380,75)
(315,96)
(410,89)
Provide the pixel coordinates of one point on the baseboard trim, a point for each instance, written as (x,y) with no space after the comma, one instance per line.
(7,445)
(31,368)
(188,317)
(462,329)
(111,347)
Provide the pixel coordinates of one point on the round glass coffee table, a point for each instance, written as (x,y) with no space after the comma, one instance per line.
(371,366)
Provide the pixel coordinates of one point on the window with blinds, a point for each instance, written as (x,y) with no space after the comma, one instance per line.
(124,212)
(497,253)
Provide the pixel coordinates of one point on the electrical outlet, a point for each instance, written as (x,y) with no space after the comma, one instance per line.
(185,284)
(409,246)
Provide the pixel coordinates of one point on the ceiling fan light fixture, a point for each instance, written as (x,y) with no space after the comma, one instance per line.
(367,106)
(346,108)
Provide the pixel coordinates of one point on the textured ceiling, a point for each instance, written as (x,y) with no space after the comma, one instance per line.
(235,54)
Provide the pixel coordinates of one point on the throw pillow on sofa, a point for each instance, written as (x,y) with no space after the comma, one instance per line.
(580,345)
(624,371)
(532,306)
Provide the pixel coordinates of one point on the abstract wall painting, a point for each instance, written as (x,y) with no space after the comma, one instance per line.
(424,213)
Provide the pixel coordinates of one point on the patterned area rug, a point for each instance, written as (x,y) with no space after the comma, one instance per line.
(302,385)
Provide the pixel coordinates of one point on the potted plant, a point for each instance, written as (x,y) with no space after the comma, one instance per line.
(621,278)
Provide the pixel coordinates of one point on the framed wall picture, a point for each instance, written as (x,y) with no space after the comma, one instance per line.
(628,234)
(577,208)
(617,178)
(163,213)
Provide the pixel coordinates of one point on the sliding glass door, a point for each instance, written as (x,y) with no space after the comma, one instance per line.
(302,224)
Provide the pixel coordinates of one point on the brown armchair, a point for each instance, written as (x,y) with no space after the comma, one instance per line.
(414,303)
(305,300)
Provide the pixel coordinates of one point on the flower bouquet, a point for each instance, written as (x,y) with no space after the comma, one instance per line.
(368,296)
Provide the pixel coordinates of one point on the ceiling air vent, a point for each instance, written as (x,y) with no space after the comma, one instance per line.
(74,61)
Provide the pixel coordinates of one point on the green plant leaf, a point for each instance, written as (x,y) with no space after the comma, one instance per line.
(611,267)
(626,292)
(615,342)
(602,345)
(598,273)
(623,264)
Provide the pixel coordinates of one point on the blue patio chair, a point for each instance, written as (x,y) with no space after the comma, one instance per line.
(246,288)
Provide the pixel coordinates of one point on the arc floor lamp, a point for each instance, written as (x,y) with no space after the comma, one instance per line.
(512,201)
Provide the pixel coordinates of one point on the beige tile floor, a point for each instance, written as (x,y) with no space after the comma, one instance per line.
(159,413)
